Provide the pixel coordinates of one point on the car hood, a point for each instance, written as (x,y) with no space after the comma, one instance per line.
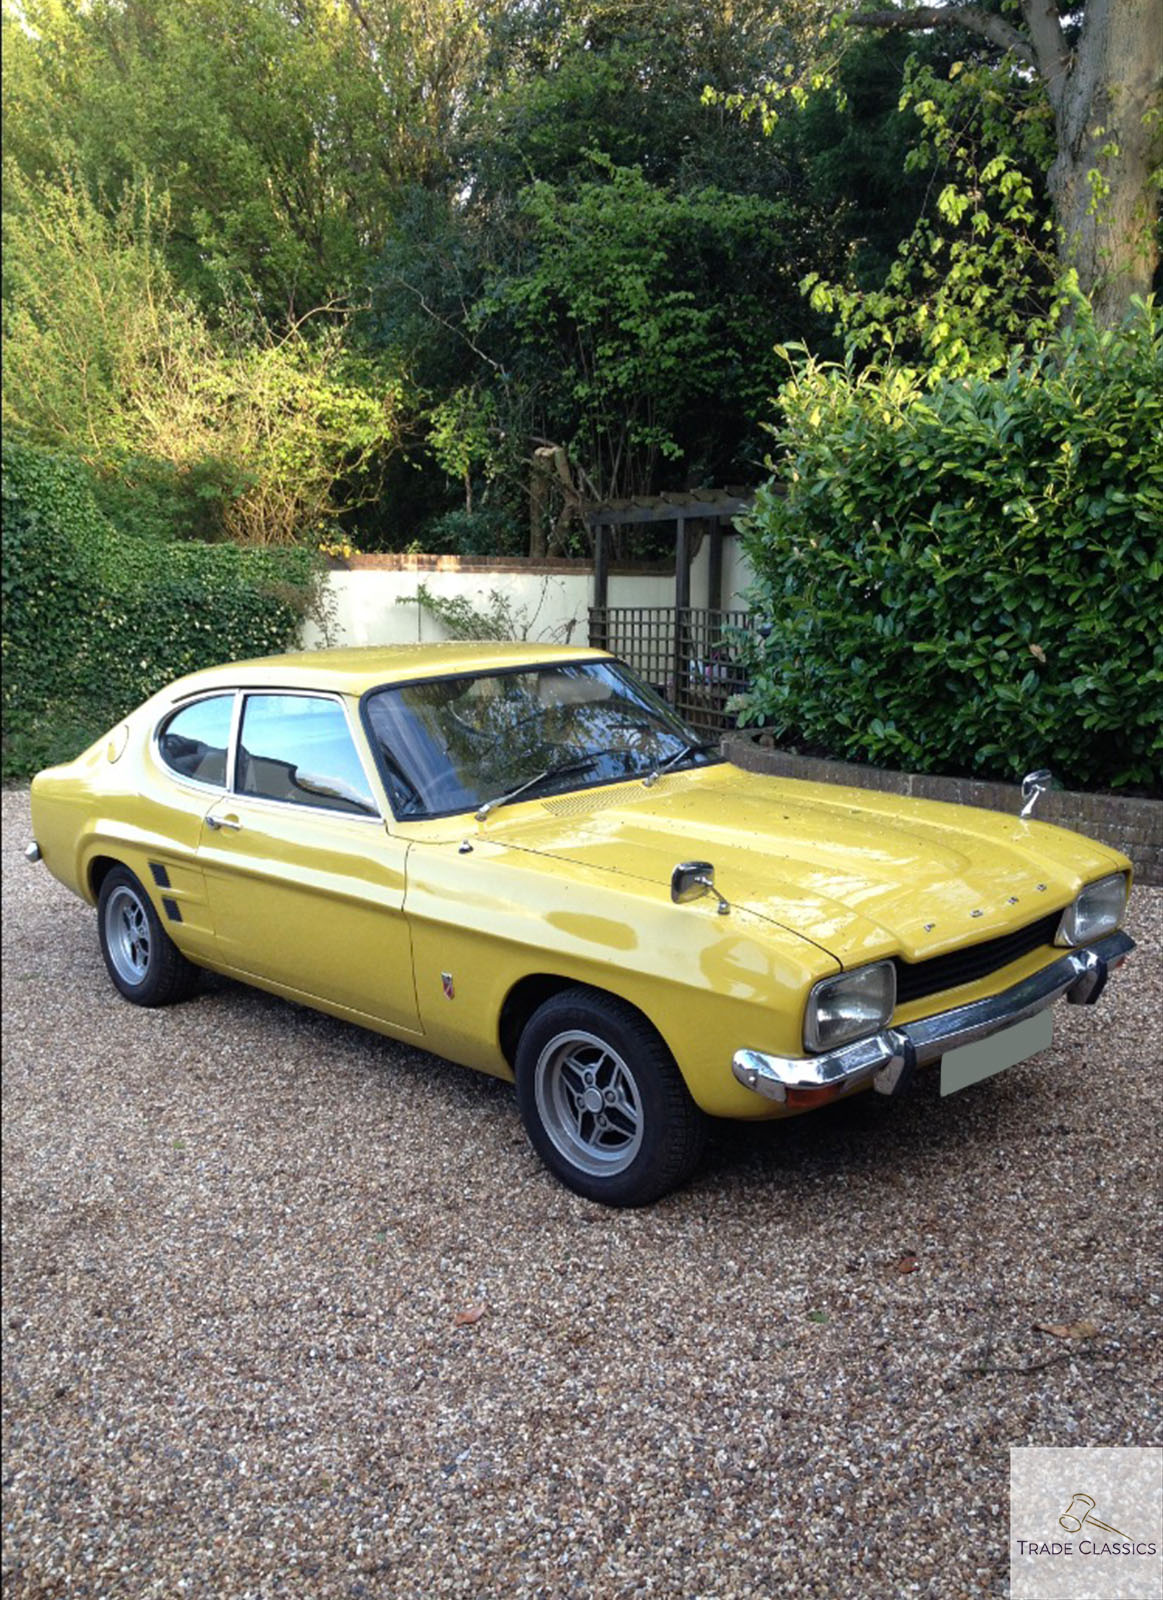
(858,873)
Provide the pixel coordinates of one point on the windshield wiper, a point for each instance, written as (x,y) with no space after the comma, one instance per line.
(562,770)
(687,751)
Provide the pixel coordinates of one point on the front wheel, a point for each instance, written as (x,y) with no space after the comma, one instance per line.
(143,961)
(602,1101)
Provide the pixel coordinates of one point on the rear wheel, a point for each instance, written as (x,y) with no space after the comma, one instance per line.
(143,961)
(603,1103)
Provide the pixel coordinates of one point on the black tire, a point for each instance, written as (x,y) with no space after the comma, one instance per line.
(602,1101)
(141,958)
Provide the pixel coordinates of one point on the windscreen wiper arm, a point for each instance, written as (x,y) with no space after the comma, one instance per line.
(684,754)
(560,771)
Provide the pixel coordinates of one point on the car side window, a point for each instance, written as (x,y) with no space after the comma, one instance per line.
(194,741)
(298,748)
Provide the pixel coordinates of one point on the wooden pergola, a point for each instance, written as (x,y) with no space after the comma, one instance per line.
(713,506)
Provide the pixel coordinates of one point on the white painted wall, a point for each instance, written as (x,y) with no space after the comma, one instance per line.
(364,604)
(371,605)
(648,589)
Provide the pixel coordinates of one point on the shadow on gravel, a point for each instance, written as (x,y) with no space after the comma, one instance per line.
(869,1135)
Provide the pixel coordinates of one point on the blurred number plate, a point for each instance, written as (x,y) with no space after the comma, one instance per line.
(973,1062)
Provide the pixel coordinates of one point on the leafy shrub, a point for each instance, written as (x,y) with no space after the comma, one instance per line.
(162,499)
(969,579)
(96,619)
(487,531)
(196,431)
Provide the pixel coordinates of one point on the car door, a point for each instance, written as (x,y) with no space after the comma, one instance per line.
(181,777)
(305,882)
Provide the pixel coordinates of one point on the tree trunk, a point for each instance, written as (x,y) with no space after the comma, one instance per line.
(538,505)
(1110,144)
(1107,99)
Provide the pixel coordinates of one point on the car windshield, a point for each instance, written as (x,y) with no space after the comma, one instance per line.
(472,741)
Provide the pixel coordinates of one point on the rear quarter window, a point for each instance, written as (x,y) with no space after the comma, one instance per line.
(193,741)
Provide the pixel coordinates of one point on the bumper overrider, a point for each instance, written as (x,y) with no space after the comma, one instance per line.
(889,1058)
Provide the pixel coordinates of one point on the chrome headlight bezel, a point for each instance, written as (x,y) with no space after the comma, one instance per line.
(849,1005)
(1097,909)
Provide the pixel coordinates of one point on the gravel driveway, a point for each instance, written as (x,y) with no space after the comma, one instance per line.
(293,1310)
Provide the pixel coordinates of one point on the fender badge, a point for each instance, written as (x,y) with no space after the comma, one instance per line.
(447,985)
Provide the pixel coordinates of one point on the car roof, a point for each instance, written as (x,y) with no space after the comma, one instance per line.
(355,670)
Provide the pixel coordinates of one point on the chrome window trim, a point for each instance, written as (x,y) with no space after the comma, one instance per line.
(199,785)
(269,691)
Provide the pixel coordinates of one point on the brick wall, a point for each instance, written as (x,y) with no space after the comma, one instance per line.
(1132,825)
(405,561)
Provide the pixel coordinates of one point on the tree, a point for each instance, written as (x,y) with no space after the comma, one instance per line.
(648,305)
(282,131)
(976,273)
(853,145)
(592,296)
(1101,64)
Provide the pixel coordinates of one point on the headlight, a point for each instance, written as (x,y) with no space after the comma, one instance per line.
(849,1005)
(1097,910)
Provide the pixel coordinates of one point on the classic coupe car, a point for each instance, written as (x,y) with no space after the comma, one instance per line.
(521,859)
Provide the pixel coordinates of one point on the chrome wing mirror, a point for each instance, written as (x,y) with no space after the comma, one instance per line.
(1034,786)
(691,880)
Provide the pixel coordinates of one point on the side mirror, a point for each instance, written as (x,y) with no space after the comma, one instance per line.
(1034,785)
(691,880)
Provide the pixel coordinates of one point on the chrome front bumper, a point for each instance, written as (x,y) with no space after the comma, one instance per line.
(889,1058)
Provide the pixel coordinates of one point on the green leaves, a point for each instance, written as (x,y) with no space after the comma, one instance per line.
(282,132)
(104,358)
(976,275)
(969,582)
(616,304)
(96,620)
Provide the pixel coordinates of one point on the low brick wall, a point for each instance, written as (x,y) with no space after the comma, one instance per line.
(406,561)
(1132,825)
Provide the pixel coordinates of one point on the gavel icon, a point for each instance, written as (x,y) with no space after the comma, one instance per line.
(1073,1520)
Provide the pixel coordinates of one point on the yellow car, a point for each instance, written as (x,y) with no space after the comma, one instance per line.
(518,857)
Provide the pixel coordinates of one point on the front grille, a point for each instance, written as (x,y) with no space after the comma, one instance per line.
(915,980)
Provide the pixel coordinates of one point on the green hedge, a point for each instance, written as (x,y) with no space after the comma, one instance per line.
(95,620)
(971,580)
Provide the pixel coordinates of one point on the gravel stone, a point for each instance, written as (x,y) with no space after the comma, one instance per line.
(292,1310)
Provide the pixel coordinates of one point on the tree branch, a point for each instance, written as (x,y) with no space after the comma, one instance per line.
(1051,56)
(984,23)
(430,311)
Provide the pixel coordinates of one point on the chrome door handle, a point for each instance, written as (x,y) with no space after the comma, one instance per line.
(224,822)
